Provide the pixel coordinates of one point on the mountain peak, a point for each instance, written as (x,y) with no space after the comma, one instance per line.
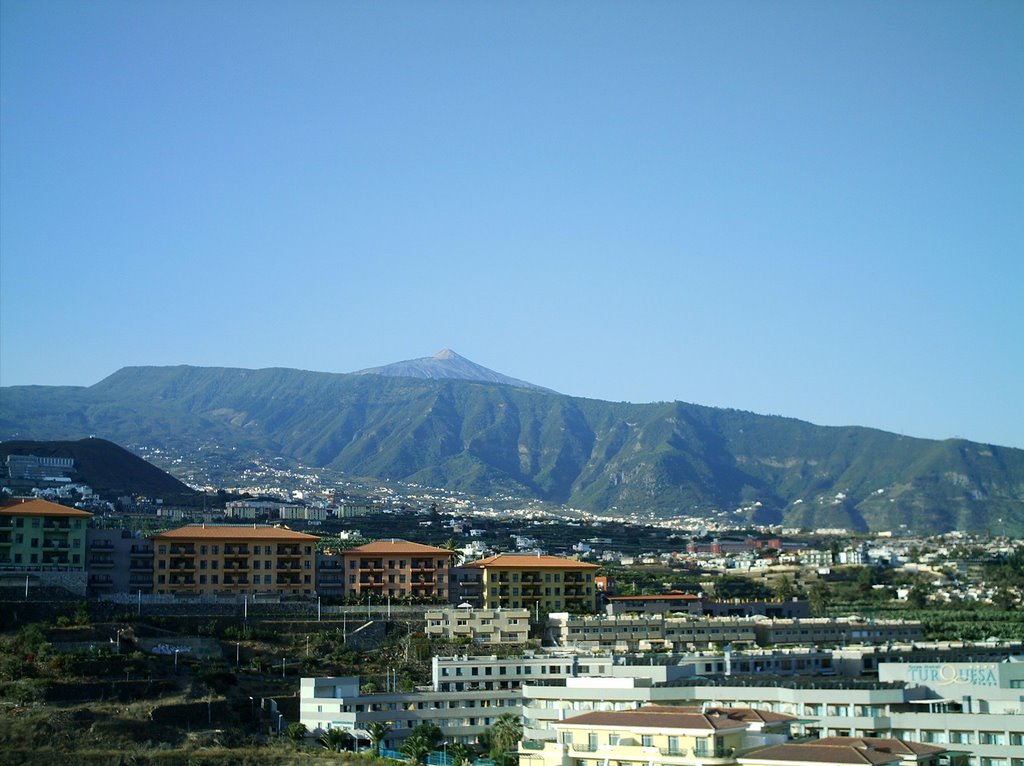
(447,364)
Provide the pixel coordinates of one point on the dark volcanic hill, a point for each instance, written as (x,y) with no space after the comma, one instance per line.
(107,468)
(665,459)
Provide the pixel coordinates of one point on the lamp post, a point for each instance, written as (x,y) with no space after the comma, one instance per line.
(175,661)
(252,709)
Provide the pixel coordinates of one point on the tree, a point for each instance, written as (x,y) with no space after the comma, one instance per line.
(783,588)
(818,597)
(452,545)
(378,731)
(416,749)
(296,732)
(429,734)
(461,754)
(917,597)
(335,740)
(505,735)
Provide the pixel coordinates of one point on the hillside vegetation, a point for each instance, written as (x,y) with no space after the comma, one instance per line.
(666,459)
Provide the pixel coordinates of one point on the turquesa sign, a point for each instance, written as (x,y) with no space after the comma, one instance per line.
(936,674)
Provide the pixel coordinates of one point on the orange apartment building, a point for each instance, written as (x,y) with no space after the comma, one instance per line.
(232,560)
(398,568)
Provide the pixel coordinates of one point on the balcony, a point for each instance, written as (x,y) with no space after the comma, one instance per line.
(101,545)
(240,580)
(581,748)
(183,550)
(236,566)
(51,544)
(677,752)
(6,539)
(101,563)
(141,550)
(288,550)
(236,550)
(182,565)
(57,525)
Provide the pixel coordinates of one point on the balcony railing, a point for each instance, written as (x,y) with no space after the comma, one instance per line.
(674,751)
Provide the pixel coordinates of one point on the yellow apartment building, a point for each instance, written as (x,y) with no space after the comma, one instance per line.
(537,583)
(664,736)
(231,560)
(397,569)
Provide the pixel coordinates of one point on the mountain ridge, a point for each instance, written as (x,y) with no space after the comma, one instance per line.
(665,459)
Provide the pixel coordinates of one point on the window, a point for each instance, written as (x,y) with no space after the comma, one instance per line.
(647,740)
(991,738)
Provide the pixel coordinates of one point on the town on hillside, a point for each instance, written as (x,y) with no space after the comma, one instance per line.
(287,618)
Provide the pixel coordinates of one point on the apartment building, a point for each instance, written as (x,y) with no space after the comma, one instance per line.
(836,631)
(664,735)
(398,568)
(119,561)
(40,535)
(481,626)
(630,633)
(338,703)
(537,583)
(234,560)
(973,710)
(694,604)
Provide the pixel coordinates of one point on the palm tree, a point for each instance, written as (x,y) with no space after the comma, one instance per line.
(505,735)
(460,753)
(452,545)
(416,748)
(378,731)
(335,740)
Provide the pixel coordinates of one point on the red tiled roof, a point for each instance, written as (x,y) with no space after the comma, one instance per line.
(814,753)
(520,561)
(39,507)
(752,715)
(885,744)
(234,532)
(656,717)
(398,547)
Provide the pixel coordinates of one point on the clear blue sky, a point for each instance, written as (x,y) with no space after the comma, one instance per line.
(812,209)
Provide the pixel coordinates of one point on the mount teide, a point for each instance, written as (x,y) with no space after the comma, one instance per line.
(419,421)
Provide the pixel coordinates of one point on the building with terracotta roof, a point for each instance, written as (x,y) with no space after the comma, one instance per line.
(398,569)
(663,735)
(231,560)
(854,750)
(815,754)
(40,535)
(538,583)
